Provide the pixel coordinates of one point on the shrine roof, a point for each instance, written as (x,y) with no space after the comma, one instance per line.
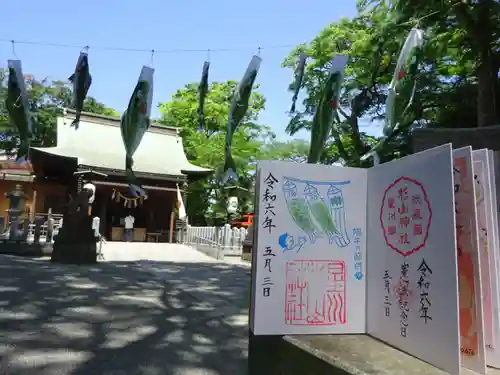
(98,143)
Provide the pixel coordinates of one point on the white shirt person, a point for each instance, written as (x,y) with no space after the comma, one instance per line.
(129,227)
(129,222)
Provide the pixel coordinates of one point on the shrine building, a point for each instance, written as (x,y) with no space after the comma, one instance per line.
(95,151)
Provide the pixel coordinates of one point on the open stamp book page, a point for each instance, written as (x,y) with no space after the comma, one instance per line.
(470,291)
(310,249)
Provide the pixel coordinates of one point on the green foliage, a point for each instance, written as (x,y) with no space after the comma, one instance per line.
(361,97)
(457,82)
(91,105)
(47,100)
(206,147)
(294,150)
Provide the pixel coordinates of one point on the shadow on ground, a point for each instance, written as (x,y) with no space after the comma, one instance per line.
(141,317)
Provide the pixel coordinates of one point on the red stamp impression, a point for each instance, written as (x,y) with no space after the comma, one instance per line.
(403,292)
(315,293)
(405,216)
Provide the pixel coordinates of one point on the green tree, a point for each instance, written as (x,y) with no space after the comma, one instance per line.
(91,105)
(206,147)
(295,150)
(467,34)
(457,86)
(47,100)
(362,95)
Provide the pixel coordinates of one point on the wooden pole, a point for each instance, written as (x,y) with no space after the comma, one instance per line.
(172,219)
(33,207)
(50,227)
(171,232)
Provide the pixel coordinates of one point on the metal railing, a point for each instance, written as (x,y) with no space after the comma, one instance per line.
(43,230)
(29,234)
(225,240)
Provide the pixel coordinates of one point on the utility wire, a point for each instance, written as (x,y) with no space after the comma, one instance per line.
(415,22)
(257,48)
(156,51)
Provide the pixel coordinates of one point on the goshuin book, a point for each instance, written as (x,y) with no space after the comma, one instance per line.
(383,251)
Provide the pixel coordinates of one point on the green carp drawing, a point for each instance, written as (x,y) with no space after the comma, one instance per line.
(337,212)
(299,210)
(320,212)
(314,214)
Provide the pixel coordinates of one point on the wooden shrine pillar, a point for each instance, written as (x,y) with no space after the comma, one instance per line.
(171,226)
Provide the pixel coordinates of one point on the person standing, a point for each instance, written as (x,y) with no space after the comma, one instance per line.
(129,227)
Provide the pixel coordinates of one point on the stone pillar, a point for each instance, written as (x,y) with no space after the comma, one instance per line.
(26,228)
(14,228)
(79,187)
(246,254)
(79,183)
(16,209)
(227,234)
(50,228)
(76,243)
(38,228)
(96,221)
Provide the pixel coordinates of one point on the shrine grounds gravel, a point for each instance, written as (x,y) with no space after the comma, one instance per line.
(172,316)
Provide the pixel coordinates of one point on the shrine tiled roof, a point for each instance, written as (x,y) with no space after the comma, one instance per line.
(97,143)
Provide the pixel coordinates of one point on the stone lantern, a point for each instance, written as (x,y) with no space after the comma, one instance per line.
(16,199)
(232,205)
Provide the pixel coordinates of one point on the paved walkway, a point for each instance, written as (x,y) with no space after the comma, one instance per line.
(133,251)
(182,314)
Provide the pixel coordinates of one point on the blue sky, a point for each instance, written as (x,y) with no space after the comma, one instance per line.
(168,25)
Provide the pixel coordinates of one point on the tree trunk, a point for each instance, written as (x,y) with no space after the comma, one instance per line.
(486,78)
(480,32)
(486,93)
(359,146)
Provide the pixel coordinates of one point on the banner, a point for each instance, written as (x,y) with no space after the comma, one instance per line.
(180,205)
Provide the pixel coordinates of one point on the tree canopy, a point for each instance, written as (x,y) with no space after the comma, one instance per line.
(206,146)
(457,78)
(457,86)
(47,100)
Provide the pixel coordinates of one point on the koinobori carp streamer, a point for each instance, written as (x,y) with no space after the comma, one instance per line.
(18,108)
(328,104)
(238,109)
(202,93)
(135,122)
(401,90)
(81,80)
(299,76)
